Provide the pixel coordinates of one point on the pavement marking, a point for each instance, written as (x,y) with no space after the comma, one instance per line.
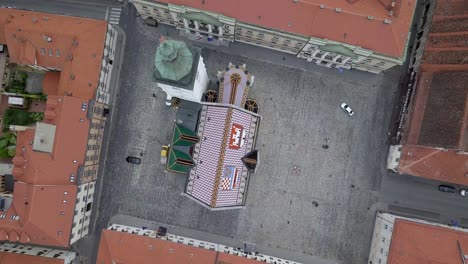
(114,17)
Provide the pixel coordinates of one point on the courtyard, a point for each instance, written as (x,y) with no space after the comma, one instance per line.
(304,197)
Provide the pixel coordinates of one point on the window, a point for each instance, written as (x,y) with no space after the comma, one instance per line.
(57,52)
(51,52)
(88,207)
(42,51)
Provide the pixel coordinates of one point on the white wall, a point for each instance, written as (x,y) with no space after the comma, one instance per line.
(102,92)
(67,256)
(199,86)
(81,219)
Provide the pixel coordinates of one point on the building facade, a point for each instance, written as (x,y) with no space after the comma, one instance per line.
(170,248)
(15,253)
(202,22)
(398,239)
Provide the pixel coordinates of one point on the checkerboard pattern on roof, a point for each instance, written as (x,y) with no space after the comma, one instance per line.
(233,158)
(207,154)
(206,161)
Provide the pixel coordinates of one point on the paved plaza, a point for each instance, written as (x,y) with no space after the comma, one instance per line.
(304,197)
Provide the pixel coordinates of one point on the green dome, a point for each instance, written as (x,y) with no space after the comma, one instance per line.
(173,60)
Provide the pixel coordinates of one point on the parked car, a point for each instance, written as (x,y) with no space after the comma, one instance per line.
(133,160)
(347,109)
(446,188)
(463,192)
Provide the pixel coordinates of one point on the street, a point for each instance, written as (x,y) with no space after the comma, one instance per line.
(304,198)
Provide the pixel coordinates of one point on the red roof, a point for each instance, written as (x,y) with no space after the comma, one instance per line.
(350,24)
(120,247)
(15,258)
(44,196)
(37,37)
(433,163)
(437,130)
(416,243)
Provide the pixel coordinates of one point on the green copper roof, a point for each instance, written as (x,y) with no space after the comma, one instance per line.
(339,49)
(179,161)
(202,17)
(183,136)
(173,60)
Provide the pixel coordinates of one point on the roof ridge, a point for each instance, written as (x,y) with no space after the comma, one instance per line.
(224,143)
(422,158)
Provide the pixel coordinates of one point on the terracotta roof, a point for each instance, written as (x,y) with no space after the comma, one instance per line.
(438,117)
(437,164)
(43,180)
(446,48)
(350,24)
(45,189)
(120,247)
(416,243)
(72,128)
(50,83)
(33,36)
(14,258)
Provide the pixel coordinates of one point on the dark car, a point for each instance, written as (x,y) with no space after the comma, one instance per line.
(133,160)
(446,188)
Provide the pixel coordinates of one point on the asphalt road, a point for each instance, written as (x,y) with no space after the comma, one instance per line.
(300,108)
(82,8)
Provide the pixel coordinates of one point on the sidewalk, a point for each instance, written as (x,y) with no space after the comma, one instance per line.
(87,247)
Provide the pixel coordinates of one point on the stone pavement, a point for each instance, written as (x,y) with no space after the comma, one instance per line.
(303,198)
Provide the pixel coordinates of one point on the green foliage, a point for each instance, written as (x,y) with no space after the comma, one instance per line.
(18,85)
(20,117)
(3,143)
(13,139)
(11,151)
(4,154)
(7,145)
(37,116)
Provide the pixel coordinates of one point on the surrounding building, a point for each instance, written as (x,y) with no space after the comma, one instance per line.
(435,133)
(25,254)
(370,36)
(180,71)
(411,241)
(125,244)
(49,197)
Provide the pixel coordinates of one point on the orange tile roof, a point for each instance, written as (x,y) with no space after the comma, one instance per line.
(14,258)
(306,17)
(44,197)
(120,247)
(433,163)
(69,148)
(446,47)
(50,83)
(438,116)
(79,41)
(416,243)
(44,178)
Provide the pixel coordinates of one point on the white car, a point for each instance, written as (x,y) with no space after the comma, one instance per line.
(463,192)
(347,109)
